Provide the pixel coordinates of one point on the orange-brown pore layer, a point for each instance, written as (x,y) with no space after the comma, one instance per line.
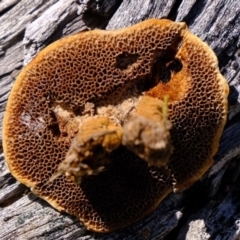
(92,67)
(197,110)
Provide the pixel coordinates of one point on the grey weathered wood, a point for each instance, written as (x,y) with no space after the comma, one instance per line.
(6,4)
(210,208)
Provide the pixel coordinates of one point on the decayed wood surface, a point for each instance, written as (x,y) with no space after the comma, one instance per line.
(208,210)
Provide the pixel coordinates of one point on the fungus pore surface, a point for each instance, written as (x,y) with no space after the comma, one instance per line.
(110,74)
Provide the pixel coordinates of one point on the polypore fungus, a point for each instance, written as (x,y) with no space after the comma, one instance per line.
(69,104)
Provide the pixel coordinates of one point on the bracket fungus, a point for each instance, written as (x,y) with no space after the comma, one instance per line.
(68,130)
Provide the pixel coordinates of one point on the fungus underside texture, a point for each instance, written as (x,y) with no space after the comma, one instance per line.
(100,67)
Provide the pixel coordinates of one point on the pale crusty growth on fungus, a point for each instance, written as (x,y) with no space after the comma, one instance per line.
(87,154)
(147,134)
(87,72)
